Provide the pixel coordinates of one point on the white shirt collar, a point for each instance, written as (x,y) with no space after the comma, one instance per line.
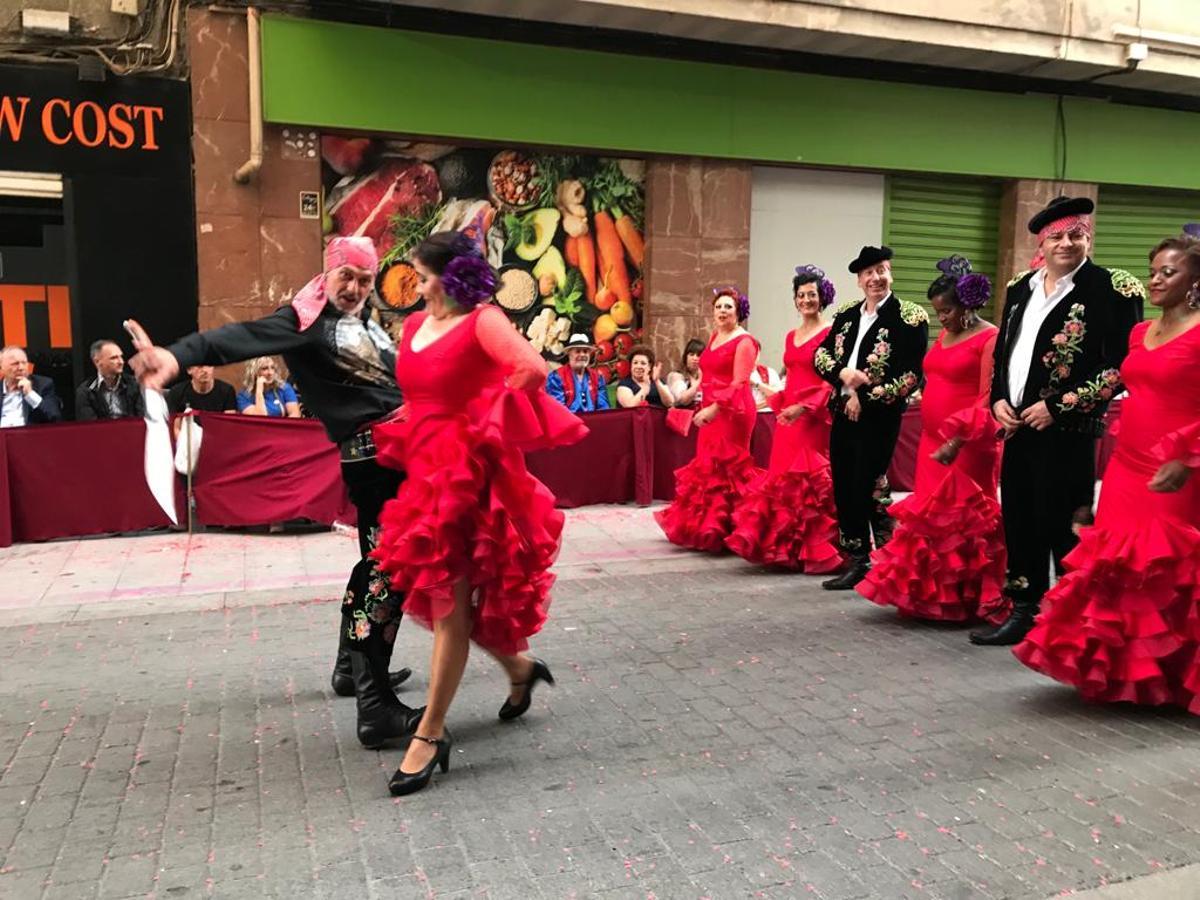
(1039,277)
(862,307)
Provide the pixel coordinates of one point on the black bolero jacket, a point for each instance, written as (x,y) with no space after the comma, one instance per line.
(1079,349)
(891,354)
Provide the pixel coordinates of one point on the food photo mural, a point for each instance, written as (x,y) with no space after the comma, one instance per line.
(564,232)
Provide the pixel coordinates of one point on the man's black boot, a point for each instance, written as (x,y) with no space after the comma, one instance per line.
(1013,629)
(381,716)
(342,680)
(857,566)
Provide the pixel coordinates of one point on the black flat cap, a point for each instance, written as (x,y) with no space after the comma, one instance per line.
(1060,208)
(870,256)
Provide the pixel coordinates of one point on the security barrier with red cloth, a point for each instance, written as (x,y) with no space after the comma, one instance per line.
(76,479)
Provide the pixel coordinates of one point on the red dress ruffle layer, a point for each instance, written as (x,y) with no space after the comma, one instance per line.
(470,509)
(786,519)
(945,561)
(1123,624)
(707,490)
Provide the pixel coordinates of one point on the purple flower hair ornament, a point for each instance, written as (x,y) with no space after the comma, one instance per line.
(740,301)
(973,290)
(468,280)
(1192,228)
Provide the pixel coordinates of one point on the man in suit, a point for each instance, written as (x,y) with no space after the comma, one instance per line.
(872,356)
(113,393)
(1064,334)
(28,399)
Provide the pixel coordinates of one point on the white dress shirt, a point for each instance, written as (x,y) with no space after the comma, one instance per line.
(12,411)
(1020,358)
(865,321)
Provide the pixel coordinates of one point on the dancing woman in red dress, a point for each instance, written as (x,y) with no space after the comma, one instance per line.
(946,558)
(1124,622)
(471,535)
(786,517)
(708,488)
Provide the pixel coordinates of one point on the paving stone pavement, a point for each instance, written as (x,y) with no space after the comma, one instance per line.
(716,731)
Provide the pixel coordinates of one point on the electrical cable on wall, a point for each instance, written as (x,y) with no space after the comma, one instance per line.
(150,44)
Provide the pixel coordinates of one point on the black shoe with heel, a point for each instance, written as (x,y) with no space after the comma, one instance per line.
(402,783)
(510,710)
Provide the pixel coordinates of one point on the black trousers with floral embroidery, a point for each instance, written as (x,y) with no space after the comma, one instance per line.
(369,602)
(1045,478)
(859,455)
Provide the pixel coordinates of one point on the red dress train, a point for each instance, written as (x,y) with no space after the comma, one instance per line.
(786,517)
(469,509)
(1124,622)
(946,558)
(708,488)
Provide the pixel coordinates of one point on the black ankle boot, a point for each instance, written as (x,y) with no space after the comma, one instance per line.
(381,716)
(1013,629)
(857,566)
(342,680)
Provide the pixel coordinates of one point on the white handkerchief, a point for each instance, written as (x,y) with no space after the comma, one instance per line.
(159,460)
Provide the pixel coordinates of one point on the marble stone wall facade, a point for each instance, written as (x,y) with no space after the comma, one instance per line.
(253,248)
(1021,201)
(697,238)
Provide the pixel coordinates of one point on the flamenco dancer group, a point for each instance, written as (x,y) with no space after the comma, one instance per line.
(455,532)
(1017,407)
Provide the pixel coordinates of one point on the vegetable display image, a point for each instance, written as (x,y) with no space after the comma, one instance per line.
(564,232)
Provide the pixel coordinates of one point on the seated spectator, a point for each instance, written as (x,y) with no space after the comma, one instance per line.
(202,392)
(267,392)
(576,385)
(765,383)
(28,399)
(113,394)
(685,384)
(644,386)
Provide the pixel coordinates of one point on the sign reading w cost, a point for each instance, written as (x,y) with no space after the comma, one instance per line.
(83,123)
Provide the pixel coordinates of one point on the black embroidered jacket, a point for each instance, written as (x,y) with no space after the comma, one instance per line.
(1079,348)
(891,354)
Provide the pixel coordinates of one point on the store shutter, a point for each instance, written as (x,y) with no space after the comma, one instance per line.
(927,219)
(1131,221)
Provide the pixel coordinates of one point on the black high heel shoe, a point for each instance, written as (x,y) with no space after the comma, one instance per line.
(403,783)
(541,672)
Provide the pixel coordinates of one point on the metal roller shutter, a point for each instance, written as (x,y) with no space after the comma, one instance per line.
(1130,221)
(927,219)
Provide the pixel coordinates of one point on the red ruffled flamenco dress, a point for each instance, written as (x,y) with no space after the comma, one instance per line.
(469,507)
(945,561)
(709,487)
(1124,622)
(786,517)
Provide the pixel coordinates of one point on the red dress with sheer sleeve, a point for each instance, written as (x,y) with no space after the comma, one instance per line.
(945,561)
(786,517)
(469,509)
(708,488)
(1124,622)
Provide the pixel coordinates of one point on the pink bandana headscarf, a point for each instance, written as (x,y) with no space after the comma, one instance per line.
(1066,223)
(341,251)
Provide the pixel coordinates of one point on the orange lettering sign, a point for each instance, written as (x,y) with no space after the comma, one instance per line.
(13,298)
(121,126)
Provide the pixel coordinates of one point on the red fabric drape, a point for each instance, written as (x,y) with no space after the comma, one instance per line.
(254,470)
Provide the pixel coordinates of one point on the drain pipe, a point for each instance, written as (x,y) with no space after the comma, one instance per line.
(253,57)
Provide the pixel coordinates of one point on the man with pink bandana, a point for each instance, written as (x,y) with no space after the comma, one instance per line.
(1064,333)
(344,364)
